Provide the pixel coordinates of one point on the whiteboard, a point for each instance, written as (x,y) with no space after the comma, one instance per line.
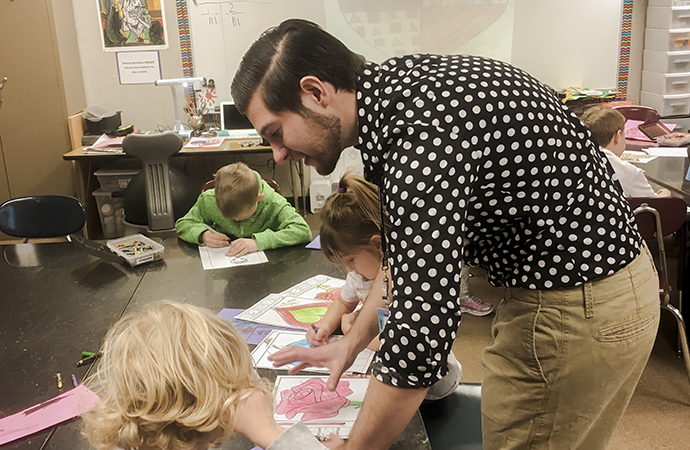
(548,38)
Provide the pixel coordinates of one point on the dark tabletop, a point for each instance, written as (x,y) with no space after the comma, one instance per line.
(58,301)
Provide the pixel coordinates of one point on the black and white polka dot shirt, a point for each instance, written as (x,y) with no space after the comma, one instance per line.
(478,161)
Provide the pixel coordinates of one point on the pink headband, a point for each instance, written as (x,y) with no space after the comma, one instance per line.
(341,190)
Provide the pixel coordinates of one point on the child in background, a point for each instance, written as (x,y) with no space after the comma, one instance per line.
(608,130)
(351,235)
(243,211)
(177,376)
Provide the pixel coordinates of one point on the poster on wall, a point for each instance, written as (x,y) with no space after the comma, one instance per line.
(132,25)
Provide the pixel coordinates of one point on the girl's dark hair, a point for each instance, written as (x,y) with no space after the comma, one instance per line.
(350,217)
(277,61)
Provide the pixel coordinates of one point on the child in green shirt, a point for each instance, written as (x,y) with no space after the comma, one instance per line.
(243,211)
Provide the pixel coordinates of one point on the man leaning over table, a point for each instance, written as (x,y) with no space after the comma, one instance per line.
(478,163)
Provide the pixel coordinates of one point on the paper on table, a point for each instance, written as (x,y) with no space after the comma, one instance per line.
(51,412)
(252,332)
(199,142)
(315,244)
(637,157)
(106,144)
(277,340)
(632,132)
(214,258)
(324,412)
(679,152)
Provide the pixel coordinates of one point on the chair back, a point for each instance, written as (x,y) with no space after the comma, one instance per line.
(637,112)
(42,216)
(270,181)
(154,151)
(672,212)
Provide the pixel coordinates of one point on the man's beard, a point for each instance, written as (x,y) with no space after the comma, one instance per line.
(328,133)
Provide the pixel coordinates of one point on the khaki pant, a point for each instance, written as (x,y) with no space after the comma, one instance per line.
(565,362)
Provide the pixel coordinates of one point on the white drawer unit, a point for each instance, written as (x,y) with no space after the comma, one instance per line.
(667,105)
(666,83)
(667,62)
(668,17)
(669,40)
(668,3)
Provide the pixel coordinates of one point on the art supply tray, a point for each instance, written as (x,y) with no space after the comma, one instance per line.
(136,249)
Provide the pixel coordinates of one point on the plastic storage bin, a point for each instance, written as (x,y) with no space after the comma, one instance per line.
(137,249)
(111,211)
(666,83)
(669,3)
(668,17)
(669,62)
(666,105)
(112,180)
(667,40)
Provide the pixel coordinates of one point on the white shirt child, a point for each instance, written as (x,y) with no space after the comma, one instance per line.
(356,288)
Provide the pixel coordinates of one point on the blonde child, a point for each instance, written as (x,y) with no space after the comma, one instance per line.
(244,211)
(351,235)
(176,376)
(608,130)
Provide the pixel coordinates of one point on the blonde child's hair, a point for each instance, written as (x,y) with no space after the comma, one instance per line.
(170,377)
(603,122)
(237,189)
(350,218)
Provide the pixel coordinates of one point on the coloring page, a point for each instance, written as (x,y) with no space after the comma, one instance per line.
(214,258)
(277,340)
(309,400)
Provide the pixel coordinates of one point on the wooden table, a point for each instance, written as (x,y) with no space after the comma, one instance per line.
(58,301)
(194,161)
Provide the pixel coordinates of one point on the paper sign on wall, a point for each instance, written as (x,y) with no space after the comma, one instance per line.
(138,67)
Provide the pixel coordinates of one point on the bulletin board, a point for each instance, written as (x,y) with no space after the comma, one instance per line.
(545,37)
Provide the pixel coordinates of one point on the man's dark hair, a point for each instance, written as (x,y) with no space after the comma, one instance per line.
(277,61)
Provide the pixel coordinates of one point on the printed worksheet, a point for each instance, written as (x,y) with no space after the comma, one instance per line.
(291,312)
(318,287)
(277,340)
(297,307)
(214,258)
(324,412)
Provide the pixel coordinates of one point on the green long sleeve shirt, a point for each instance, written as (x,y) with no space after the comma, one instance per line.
(275,223)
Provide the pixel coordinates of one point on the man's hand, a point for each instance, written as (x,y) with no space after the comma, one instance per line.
(213,239)
(337,357)
(240,247)
(255,418)
(663,192)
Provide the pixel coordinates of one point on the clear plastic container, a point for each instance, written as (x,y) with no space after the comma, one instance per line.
(668,17)
(666,83)
(115,179)
(137,249)
(666,105)
(111,211)
(667,62)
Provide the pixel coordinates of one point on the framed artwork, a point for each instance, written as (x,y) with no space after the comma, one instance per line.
(132,25)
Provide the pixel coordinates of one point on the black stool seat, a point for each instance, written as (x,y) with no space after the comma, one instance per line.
(455,422)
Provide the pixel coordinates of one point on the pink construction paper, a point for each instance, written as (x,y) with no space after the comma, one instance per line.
(51,412)
(632,132)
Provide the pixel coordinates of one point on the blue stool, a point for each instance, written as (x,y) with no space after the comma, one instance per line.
(455,422)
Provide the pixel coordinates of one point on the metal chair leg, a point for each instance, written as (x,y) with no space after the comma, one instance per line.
(682,335)
(666,298)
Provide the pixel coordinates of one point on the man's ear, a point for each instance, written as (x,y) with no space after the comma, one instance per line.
(314,92)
